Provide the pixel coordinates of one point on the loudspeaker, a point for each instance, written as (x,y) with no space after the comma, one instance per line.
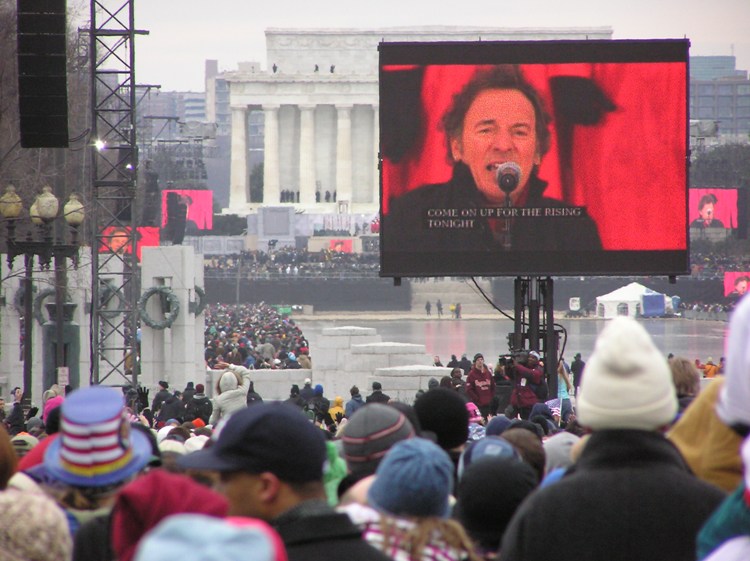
(42,77)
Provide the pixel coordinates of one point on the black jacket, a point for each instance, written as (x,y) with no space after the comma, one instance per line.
(200,407)
(313,531)
(160,397)
(409,234)
(377,396)
(15,421)
(631,495)
(172,408)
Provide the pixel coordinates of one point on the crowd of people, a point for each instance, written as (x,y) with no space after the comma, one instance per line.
(256,336)
(287,261)
(629,460)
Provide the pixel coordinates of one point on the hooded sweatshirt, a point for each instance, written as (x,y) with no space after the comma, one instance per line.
(232,395)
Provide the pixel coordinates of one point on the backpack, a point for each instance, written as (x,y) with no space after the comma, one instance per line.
(198,409)
(540,390)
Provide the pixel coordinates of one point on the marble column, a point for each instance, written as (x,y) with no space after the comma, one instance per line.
(307,155)
(375,153)
(344,153)
(271,181)
(239,180)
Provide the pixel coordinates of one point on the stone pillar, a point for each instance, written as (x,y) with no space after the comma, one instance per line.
(238,194)
(307,155)
(376,154)
(174,354)
(344,153)
(271,183)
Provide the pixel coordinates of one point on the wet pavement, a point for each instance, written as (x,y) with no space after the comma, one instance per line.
(688,338)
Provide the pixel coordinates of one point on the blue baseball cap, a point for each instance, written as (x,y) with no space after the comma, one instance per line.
(277,438)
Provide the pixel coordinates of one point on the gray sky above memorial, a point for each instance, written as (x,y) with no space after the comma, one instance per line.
(184,33)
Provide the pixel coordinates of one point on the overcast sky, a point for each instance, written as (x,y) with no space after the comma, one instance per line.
(184,33)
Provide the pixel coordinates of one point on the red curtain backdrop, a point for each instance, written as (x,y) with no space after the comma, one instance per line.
(629,170)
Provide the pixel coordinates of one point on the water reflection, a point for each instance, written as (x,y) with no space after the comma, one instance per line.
(688,338)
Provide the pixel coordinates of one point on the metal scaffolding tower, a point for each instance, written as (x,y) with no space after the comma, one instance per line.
(115,281)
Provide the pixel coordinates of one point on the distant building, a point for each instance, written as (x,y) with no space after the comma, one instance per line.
(720,93)
(311,115)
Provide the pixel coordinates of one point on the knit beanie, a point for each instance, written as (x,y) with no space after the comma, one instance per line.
(318,389)
(628,383)
(488,447)
(488,494)
(557,450)
(151,498)
(432,383)
(203,538)
(497,425)
(414,479)
(32,526)
(732,407)
(200,388)
(443,412)
(370,433)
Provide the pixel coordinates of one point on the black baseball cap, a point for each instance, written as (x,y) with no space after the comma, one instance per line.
(277,438)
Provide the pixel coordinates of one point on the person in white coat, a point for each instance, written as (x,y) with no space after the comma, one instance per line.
(231,390)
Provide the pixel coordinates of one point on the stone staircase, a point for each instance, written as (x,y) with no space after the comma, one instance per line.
(450,291)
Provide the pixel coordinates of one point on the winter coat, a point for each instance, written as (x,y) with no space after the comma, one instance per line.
(337,407)
(632,496)
(312,532)
(160,397)
(232,395)
(480,386)
(710,447)
(200,407)
(305,362)
(172,408)
(523,377)
(15,421)
(352,405)
(377,396)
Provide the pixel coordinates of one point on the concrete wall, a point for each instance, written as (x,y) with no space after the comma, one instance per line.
(347,356)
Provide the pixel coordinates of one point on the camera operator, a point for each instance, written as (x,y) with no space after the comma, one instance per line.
(526,373)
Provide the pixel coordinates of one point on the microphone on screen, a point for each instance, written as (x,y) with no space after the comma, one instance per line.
(508,176)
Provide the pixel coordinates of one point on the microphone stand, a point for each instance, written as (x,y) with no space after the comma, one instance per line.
(506,229)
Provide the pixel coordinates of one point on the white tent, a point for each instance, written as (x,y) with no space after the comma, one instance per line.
(625,301)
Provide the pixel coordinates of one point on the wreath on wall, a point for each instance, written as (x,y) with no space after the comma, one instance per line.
(18,302)
(108,293)
(200,304)
(172,307)
(39,300)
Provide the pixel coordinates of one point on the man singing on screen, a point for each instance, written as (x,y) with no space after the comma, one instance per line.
(497,134)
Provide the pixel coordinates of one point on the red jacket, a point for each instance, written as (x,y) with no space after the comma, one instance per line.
(480,386)
(523,395)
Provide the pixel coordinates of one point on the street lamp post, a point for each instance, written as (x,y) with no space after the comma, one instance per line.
(42,213)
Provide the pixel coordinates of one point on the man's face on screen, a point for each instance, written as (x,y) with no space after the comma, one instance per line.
(741,287)
(707,212)
(500,126)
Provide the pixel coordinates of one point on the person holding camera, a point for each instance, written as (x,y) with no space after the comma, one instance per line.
(527,374)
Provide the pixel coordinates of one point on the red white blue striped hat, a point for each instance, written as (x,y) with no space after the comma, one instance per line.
(96,446)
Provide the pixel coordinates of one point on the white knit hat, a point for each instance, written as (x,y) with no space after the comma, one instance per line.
(733,407)
(627,383)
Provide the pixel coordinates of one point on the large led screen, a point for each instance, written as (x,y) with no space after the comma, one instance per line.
(199,205)
(549,157)
(116,239)
(712,208)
